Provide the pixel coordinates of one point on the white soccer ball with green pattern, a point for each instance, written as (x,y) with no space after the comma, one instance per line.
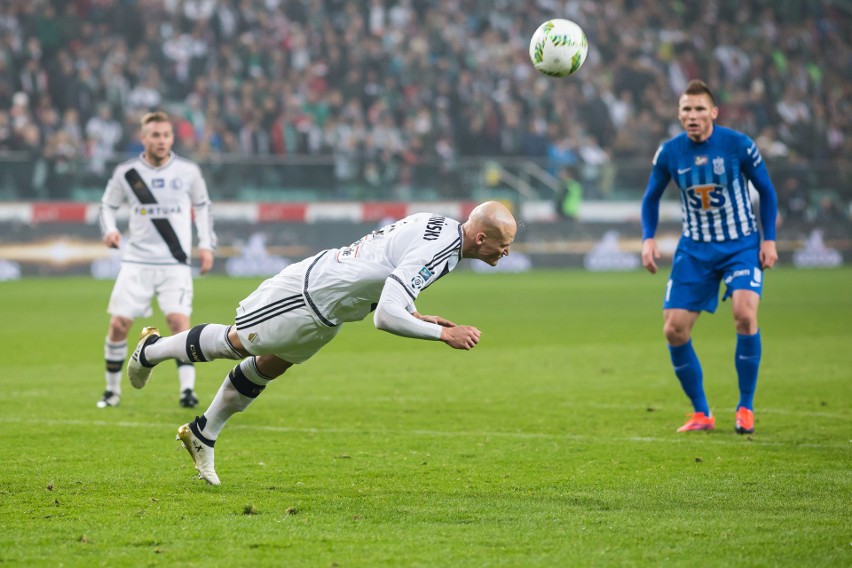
(558,48)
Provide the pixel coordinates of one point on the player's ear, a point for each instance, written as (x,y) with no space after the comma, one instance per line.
(714,112)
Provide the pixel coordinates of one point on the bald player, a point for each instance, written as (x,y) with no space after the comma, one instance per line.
(294,314)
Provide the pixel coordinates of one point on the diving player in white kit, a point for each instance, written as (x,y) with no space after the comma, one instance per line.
(295,313)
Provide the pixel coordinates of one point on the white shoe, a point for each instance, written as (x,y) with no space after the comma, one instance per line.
(201,453)
(138,368)
(109,399)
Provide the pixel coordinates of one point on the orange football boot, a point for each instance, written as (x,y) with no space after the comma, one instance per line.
(745,421)
(698,421)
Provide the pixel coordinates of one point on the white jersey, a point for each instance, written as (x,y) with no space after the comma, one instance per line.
(161,201)
(345,284)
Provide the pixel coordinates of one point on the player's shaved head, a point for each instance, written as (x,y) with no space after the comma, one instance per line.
(488,232)
(493,216)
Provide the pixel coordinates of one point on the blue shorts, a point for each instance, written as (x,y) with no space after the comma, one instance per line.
(698,269)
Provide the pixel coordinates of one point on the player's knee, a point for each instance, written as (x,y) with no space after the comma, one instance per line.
(177,323)
(676,334)
(746,324)
(236,342)
(119,327)
(271,366)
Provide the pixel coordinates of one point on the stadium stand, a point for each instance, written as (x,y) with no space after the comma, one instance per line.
(353,98)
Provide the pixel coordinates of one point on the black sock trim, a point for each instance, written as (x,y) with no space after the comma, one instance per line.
(114,366)
(244,386)
(193,344)
(142,359)
(195,430)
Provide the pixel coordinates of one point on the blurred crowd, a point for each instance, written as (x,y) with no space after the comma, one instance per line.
(383,85)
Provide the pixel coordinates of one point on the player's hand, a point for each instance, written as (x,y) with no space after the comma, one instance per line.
(460,337)
(768,254)
(206,258)
(112,239)
(649,255)
(436,319)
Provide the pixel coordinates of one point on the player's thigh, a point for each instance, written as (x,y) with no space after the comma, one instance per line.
(741,271)
(174,290)
(276,320)
(693,284)
(132,292)
(294,336)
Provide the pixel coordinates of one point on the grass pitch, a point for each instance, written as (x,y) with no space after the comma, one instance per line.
(551,444)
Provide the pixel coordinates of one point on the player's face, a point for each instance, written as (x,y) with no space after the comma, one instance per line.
(158,138)
(696,114)
(496,246)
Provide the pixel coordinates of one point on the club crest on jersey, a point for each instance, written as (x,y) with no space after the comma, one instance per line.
(158,183)
(700,160)
(177,183)
(718,166)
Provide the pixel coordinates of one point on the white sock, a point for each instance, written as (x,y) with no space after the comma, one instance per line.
(186,376)
(114,355)
(205,342)
(242,385)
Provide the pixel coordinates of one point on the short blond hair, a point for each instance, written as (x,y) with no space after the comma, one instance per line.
(155,116)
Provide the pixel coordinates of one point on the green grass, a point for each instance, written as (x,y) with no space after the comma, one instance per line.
(550,444)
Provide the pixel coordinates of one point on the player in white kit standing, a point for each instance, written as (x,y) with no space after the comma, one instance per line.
(294,314)
(162,191)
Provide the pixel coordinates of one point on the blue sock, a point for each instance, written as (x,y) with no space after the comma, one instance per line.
(747,361)
(688,371)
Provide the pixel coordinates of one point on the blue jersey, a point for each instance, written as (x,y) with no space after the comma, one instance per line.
(714,192)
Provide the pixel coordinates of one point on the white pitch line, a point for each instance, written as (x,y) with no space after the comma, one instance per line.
(567,404)
(710,439)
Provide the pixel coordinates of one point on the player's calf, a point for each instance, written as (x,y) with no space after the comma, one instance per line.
(204,342)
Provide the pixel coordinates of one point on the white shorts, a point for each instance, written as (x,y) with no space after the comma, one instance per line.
(277,320)
(136,285)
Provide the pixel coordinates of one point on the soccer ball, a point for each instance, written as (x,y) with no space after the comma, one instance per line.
(558,48)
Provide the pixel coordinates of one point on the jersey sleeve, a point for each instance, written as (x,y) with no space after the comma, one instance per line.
(423,262)
(657,183)
(203,212)
(755,170)
(110,202)
(394,315)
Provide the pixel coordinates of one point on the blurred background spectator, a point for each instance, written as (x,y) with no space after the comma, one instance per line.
(381,87)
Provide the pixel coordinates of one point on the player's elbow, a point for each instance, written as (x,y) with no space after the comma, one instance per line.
(381,319)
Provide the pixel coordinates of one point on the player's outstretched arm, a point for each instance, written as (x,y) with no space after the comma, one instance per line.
(460,337)
(650,253)
(434,319)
